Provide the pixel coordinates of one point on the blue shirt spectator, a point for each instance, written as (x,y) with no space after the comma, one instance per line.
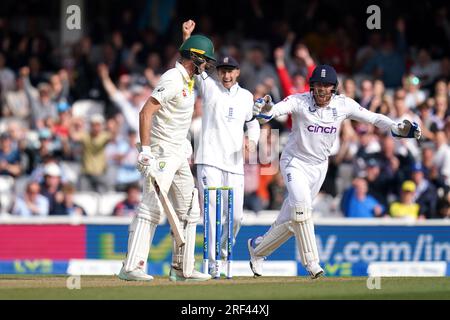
(32,203)
(389,62)
(356,203)
(9,156)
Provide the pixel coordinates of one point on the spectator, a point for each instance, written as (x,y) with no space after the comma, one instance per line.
(379,186)
(425,194)
(9,157)
(430,123)
(15,102)
(356,203)
(32,203)
(440,88)
(299,82)
(349,88)
(42,106)
(339,52)
(390,160)
(128,107)
(369,51)
(402,112)
(406,207)
(368,142)
(128,206)
(115,149)
(59,83)
(277,191)
(424,68)
(442,156)
(251,183)
(383,106)
(93,157)
(67,207)
(428,151)
(52,185)
(414,96)
(7,77)
(61,128)
(389,62)
(126,171)
(441,109)
(255,69)
(48,146)
(269,144)
(367,94)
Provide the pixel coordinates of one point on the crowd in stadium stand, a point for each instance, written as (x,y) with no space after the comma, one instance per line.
(69,118)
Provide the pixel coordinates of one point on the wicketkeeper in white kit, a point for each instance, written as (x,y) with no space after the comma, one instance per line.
(227,107)
(316,116)
(164,123)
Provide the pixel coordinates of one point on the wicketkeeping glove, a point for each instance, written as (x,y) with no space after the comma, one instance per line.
(146,163)
(406,129)
(262,107)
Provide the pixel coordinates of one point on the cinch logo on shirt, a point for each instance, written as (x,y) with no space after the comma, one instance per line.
(320,129)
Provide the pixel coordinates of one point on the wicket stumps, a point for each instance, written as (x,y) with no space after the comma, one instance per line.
(218,228)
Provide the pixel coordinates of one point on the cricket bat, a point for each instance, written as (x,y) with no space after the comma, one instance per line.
(168,208)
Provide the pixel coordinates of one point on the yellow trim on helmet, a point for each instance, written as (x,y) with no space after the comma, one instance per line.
(197,51)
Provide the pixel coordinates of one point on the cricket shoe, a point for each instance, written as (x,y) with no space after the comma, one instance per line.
(315,271)
(177,275)
(255,261)
(135,275)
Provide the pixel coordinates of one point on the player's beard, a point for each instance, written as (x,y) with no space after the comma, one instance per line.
(322,97)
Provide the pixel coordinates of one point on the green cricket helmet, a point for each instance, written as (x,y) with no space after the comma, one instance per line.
(198,45)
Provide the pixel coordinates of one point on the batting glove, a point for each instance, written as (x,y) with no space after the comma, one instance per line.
(146,163)
(406,129)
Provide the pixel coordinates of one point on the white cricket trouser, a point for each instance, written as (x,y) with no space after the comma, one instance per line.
(209,176)
(176,180)
(303,182)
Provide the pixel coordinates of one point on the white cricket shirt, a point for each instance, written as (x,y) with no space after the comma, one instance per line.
(224,115)
(175,93)
(315,129)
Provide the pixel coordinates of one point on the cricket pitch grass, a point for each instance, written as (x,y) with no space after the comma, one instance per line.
(14,287)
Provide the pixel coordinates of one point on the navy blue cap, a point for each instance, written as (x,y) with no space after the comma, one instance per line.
(324,74)
(227,61)
(372,162)
(417,167)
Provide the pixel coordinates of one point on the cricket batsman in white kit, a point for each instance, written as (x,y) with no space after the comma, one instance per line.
(164,123)
(316,117)
(227,107)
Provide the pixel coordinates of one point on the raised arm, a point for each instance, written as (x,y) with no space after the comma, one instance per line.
(404,129)
(109,86)
(200,80)
(28,88)
(187,29)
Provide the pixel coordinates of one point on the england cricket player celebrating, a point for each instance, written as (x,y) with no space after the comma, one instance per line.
(316,117)
(226,108)
(163,126)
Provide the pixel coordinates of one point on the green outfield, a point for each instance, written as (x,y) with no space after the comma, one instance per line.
(271,288)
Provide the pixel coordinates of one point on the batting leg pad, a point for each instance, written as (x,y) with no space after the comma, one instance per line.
(273,239)
(303,228)
(184,256)
(140,237)
(150,201)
